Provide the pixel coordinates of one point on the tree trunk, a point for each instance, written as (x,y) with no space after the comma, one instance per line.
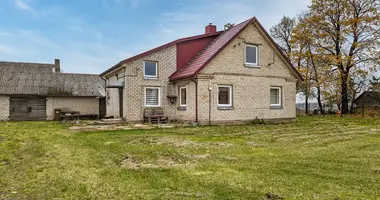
(352,103)
(307,104)
(344,94)
(320,101)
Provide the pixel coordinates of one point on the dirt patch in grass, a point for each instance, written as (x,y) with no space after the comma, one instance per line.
(254,144)
(199,157)
(178,142)
(112,127)
(134,162)
(196,195)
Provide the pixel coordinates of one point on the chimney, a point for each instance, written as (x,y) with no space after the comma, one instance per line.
(210,29)
(57,65)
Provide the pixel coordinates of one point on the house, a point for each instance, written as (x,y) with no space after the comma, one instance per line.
(235,75)
(31,91)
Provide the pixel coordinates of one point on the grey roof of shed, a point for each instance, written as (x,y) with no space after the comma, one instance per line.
(39,79)
(368,97)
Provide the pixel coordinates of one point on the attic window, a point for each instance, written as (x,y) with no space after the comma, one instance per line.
(150,70)
(252,55)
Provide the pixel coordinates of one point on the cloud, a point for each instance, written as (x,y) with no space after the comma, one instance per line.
(22,5)
(4,49)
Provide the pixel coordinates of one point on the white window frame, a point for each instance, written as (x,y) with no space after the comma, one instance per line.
(257,55)
(229,95)
(180,96)
(279,95)
(150,76)
(159,97)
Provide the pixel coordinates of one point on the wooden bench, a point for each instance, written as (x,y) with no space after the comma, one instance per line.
(68,114)
(155,116)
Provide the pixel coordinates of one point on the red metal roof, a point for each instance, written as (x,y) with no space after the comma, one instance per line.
(197,37)
(209,52)
(199,62)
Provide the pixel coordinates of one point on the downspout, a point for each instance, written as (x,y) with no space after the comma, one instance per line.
(209,106)
(196,100)
(209,103)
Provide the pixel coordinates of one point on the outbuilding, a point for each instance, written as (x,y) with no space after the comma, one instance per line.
(32,91)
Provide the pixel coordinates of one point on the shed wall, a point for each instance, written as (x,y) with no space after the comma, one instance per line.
(85,105)
(4,108)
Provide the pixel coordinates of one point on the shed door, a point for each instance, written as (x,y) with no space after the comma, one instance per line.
(27,108)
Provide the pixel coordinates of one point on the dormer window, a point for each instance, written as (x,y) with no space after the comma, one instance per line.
(150,70)
(252,55)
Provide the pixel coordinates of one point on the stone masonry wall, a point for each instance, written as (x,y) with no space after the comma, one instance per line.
(4,108)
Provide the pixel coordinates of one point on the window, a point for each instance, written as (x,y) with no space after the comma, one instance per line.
(182,96)
(150,69)
(251,55)
(152,97)
(275,96)
(224,95)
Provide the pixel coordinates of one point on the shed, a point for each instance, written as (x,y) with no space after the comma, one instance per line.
(31,91)
(368,99)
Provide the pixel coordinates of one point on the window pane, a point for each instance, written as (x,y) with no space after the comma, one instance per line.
(150,69)
(224,95)
(151,98)
(274,96)
(251,54)
(183,96)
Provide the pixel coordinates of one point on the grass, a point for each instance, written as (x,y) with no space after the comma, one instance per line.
(314,158)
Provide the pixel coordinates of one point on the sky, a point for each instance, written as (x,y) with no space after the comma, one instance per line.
(90,36)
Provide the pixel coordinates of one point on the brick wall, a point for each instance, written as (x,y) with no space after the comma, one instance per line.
(135,84)
(250,86)
(85,105)
(187,115)
(4,108)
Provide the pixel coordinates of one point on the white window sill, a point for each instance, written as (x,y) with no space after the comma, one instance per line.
(220,107)
(252,65)
(152,106)
(150,78)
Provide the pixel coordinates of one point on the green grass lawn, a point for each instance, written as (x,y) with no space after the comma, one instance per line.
(314,158)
